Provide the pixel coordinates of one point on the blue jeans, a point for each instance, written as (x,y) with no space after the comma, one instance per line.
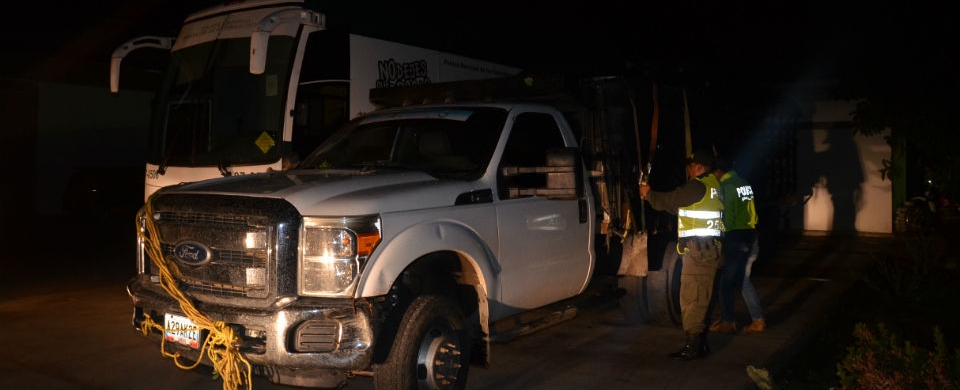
(750,296)
(737,246)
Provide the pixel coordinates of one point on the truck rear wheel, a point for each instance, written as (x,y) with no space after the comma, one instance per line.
(633,301)
(431,350)
(654,298)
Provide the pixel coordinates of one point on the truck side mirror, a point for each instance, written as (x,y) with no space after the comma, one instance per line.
(564,176)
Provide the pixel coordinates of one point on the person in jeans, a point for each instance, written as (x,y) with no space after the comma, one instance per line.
(740,247)
(750,296)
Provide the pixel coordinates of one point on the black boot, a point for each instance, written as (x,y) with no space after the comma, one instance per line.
(692,348)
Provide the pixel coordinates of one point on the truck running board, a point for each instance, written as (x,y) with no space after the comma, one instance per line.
(531,321)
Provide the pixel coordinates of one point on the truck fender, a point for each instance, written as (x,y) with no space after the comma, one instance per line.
(393,256)
(478,264)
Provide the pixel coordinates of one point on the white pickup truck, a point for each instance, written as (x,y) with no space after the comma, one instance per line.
(396,247)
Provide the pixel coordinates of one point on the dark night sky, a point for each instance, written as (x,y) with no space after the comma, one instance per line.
(733,46)
(68,41)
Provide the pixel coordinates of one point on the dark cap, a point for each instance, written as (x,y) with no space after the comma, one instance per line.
(702,156)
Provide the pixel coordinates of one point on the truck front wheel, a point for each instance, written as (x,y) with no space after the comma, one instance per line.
(430,351)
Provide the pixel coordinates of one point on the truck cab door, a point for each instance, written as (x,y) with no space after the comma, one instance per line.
(544,243)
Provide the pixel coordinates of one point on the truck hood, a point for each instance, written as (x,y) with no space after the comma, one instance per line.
(335,192)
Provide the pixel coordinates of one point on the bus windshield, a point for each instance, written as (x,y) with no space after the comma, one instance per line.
(210,111)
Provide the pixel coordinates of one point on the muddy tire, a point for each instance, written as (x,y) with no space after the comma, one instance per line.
(430,351)
(662,290)
(633,300)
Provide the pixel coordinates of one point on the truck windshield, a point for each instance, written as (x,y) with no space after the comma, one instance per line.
(211,111)
(454,143)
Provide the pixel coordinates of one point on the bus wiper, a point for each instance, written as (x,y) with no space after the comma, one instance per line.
(162,168)
(224,168)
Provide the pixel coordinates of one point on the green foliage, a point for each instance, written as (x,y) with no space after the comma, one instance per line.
(913,95)
(878,360)
(909,291)
(880,337)
(918,277)
(889,170)
(760,377)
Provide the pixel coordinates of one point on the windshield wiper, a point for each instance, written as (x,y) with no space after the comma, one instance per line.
(372,165)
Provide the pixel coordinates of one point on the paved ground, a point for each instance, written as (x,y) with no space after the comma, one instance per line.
(69,328)
(798,287)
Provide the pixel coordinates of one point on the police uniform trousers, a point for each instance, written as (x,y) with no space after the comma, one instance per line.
(701,257)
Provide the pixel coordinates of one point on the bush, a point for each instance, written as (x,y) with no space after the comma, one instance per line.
(919,277)
(906,296)
(906,292)
(903,295)
(878,360)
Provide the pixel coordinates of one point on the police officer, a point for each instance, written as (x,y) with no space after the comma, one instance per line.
(740,248)
(699,213)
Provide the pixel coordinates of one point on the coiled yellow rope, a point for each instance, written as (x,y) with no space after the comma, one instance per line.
(220,345)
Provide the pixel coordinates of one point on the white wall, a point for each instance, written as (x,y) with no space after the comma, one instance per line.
(845,190)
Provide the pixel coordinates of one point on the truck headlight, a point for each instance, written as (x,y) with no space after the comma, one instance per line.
(333,252)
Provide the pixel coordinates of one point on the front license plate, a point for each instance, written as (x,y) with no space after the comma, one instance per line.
(181,330)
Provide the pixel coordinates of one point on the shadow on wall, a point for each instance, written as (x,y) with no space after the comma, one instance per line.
(831,184)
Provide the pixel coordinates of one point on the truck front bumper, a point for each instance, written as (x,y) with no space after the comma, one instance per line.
(300,342)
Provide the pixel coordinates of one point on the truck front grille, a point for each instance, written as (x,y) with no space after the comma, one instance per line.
(230,272)
(246,245)
(220,289)
(237,264)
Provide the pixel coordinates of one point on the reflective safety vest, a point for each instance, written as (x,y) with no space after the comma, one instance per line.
(739,212)
(705,217)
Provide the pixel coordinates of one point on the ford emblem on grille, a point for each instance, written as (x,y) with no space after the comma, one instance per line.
(192,253)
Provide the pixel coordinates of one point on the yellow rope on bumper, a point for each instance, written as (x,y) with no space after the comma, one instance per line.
(220,344)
